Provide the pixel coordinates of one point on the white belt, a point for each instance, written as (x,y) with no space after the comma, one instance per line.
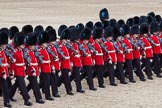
(4,64)
(88,55)
(67,57)
(34,64)
(149,47)
(99,54)
(46,61)
(157,44)
(130,49)
(20,64)
(77,56)
(113,51)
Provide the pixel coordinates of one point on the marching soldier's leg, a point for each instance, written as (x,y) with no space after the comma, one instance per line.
(57,76)
(60,80)
(77,79)
(54,85)
(36,90)
(66,81)
(157,69)
(72,75)
(120,70)
(139,70)
(111,74)
(0,90)
(24,92)
(99,70)
(105,71)
(129,70)
(12,91)
(41,82)
(148,68)
(46,85)
(5,92)
(89,74)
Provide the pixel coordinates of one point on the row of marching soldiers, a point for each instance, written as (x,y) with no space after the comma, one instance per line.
(105,49)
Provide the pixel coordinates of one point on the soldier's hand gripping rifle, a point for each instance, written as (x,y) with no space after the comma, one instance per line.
(140,43)
(10,55)
(37,54)
(151,41)
(1,61)
(80,46)
(116,47)
(92,49)
(123,45)
(133,44)
(103,47)
(69,46)
(59,51)
(51,52)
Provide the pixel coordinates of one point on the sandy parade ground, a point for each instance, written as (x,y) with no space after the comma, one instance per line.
(71,12)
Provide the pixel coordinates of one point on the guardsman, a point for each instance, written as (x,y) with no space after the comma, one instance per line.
(134,31)
(157,51)
(55,63)
(129,53)
(160,36)
(65,61)
(98,57)
(147,52)
(44,63)
(110,56)
(75,58)
(19,69)
(4,69)
(87,58)
(120,53)
(32,66)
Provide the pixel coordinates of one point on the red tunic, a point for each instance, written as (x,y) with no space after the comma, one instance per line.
(120,55)
(99,56)
(54,62)
(19,65)
(136,52)
(45,66)
(156,48)
(128,55)
(111,52)
(65,64)
(4,66)
(33,63)
(86,60)
(148,48)
(75,59)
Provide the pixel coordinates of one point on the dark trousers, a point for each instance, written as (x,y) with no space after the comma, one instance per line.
(76,77)
(156,61)
(33,84)
(66,80)
(120,71)
(111,73)
(20,82)
(46,84)
(99,71)
(54,84)
(129,69)
(89,73)
(137,65)
(5,90)
(147,63)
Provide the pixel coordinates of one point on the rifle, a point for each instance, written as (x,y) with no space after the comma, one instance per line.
(26,56)
(124,46)
(37,54)
(69,46)
(160,39)
(103,47)
(51,52)
(10,55)
(116,47)
(133,44)
(151,41)
(59,51)
(1,61)
(80,46)
(140,43)
(10,47)
(91,48)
